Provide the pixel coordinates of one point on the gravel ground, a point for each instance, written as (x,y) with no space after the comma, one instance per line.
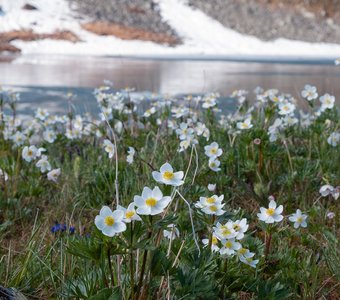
(142,14)
(270,22)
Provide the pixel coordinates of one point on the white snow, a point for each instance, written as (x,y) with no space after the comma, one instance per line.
(201,34)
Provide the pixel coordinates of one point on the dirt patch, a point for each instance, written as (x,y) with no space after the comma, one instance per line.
(29,35)
(7,47)
(129,33)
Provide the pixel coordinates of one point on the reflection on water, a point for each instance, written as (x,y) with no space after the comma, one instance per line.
(44,80)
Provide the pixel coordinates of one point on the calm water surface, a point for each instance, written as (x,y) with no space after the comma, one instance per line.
(44,80)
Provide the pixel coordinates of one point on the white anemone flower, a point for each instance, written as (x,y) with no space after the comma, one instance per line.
(211,187)
(149,112)
(168,176)
(53,175)
(334,139)
(172,233)
(208,201)
(299,219)
(49,136)
(214,164)
(214,243)
(41,114)
(246,124)
(43,164)
(130,213)
(249,261)
(31,153)
(327,102)
(215,209)
(309,92)
(230,246)
(245,253)
(151,202)
(109,148)
(240,226)
(18,138)
(131,153)
(286,108)
(271,214)
(226,231)
(110,222)
(213,150)
(327,189)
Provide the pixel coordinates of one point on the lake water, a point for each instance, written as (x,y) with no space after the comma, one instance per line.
(44,80)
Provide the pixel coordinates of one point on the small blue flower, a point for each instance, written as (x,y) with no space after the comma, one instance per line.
(72,229)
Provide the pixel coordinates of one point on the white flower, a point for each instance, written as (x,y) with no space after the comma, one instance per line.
(245,253)
(286,108)
(3,175)
(310,92)
(41,114)
(330,215)
(208,201)
(299,219)
(327,102)
(31,153)
(110,223)
(337,62)
(171,234)
(43,164)
(130,213)
(271,214)
(214,165)
(131,153)
(53,175)
(334,139)
(151,202)
(327,189)
(212,150)
(214,243)
(109,148)
(184,132)
(49,136)
(168,176)
(246,124)
(226,231)
(211,187)
(240,227)
(249,261)
(215,209)
(229,247)
(18,138)
(149,112)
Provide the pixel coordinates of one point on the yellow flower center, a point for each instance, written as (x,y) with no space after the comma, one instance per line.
(213,208)
(226,231)
(213,150)
(214,240)
(242,251)
(129,214)
(167,175)
(151,202)
(228,244)
(109,221)
(237,227)
(299,219)
(270,211)
(211,200)
(30,153)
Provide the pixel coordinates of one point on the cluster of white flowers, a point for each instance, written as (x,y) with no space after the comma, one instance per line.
(273,214)
(211,205)
(213,152)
